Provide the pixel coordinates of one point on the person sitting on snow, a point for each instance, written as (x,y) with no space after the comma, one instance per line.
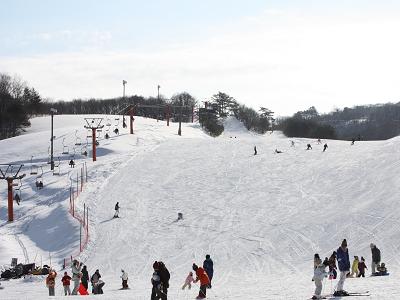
(382,269)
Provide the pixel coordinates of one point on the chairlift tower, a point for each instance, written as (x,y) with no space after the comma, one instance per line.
(94,124)
(10,176)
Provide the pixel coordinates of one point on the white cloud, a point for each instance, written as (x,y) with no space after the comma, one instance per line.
(285,62)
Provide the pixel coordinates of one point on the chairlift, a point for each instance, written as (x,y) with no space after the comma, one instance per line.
(108,124)
(116,122)
(57,167)
(65,147)
(84,150)
(89,133)
(78,140)
(39,179)
(124,123)
(34,168)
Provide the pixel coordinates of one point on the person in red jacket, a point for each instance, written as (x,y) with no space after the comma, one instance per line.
(66,280)
(201,276)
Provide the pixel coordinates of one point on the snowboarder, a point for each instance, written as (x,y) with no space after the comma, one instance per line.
(17,198)
(255,150)
(344,267)
(116,210)
(76,275)
(124,278)
(116,131)
(309,147)
(66,280)
(156,283)
(51,282)
(188,281)
(376,257)
(97,284)
(85,278)
(354,267)
(291,143)
(277,151)
(319,274)
(201,276)
(208,266)
(362,267)
(164,277)
(325,147)
(352,141)
(332,266)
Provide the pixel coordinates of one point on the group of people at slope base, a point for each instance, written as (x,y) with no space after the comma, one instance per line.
(161,276)
(341,255)
(309,147)
(80,279)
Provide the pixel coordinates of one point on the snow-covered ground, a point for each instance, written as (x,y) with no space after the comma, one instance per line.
(261,217)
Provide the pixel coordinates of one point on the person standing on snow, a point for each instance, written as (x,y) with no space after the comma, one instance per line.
(116,210)
(354,267)
(156,283)
(201,276)
(325,147)
(66,280)
(362,267)
(255,150)
(51,282)
(85,278)
(332,266)
(164,277)
(76,275)
(208,266)
(344,267)
(96,283)
(319,274)
(309,147)
(376,257)
(124,278)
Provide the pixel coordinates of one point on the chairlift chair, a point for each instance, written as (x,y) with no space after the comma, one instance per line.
(39,179)
(116,122)
(57,167)
(78,140)
(34,168)
(108,124)
(65,147)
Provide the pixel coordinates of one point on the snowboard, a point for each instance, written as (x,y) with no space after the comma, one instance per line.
(377,274)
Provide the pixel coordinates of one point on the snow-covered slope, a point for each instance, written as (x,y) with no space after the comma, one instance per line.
(261,217)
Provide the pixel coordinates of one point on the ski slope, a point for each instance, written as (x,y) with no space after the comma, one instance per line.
(261,218)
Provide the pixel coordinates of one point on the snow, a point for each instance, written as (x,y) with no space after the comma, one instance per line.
(261,218)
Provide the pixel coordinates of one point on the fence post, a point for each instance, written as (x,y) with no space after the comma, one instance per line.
(86,171)
(80,237)
(73,203)
(84,214)
(77,184)
(70,200)
(87,222)
(81,180)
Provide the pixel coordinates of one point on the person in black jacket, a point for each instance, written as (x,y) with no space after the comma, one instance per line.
(208,266)
(376,257)
(85,277)
(164,277)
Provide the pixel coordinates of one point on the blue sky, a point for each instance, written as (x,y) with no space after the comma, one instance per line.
(287,55)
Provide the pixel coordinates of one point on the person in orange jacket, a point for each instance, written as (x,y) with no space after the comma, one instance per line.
(201,276)
(51,282)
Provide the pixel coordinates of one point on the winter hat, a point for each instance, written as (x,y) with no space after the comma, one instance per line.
(372,245)
(344,243)
(155,265)
(65,273)
(207,256)
(195,267)
(190,273)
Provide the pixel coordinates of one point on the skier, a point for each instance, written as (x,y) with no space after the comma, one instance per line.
(362,267)
(17,198)
(76,275)
(354,267)
(291,143)
(107,136)
(51,282)
(156,283)
(208,266)
(353,140)
(116,131)
(97,284)
(344,268)
(188,281)
(201,276)
(319,141)
(124,278)
(332,266)
(164,277)
(255,150)
(66,280)
(116,210)
(85,278)
(319,274)
(309,147)
(376,257)
(325,147)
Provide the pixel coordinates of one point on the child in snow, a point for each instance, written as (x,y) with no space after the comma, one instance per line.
(382,269)
(188,281)
(124,278)
(51,282)
(354,267)
(66,280)
(201,276)
(156,282)
(332,266)
(362,267)
(319,274)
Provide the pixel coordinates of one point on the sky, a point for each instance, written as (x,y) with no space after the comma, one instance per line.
(286,55)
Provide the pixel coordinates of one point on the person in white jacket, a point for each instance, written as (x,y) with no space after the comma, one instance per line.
(124,278)
(76,275)
(319,274)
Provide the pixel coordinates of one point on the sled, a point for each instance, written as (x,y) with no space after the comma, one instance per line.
(82,290)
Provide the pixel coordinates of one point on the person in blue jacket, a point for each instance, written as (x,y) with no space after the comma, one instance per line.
(344,267)
(208,266)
